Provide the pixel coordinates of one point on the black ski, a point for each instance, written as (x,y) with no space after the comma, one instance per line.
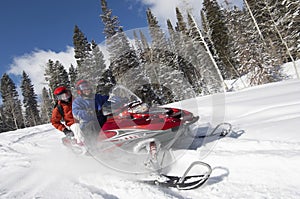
(187,183)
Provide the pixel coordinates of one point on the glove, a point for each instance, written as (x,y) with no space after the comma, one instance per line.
(68,132)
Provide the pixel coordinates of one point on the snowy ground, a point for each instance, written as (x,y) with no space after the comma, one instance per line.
(260,159)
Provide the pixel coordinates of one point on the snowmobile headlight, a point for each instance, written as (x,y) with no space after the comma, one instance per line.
(141,108)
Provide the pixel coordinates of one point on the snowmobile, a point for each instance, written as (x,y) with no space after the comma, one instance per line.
(134,129)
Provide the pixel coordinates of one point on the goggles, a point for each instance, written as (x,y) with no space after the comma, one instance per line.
(64,96)
(84,87)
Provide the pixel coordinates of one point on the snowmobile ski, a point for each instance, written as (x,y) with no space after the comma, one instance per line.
(186,182)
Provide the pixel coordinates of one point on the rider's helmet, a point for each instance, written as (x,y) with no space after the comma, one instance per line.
(62,93)
(84,88)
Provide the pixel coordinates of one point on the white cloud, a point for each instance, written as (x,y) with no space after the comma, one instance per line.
(34,64)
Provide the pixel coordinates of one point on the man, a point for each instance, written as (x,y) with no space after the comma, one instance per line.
(62,117)
(87,109)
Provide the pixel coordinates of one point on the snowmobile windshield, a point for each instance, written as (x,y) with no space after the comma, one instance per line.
(120,94)
(121,97)
(139,108)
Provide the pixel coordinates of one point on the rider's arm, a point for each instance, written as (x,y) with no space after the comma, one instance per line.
(56,120)
(81,111)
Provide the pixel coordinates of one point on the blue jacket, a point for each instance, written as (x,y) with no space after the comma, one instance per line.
(89,109)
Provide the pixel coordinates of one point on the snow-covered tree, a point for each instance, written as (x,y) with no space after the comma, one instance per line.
(269,36)
(166,68)
(72,76)
(56,75)
(124,63)
(284,17)
(258,46)
(3,125)
(82,48)
(95,65)
(289,25)
(209,78)
(180,43)
(46,106)
(12,108)
(218,36)
(32,115)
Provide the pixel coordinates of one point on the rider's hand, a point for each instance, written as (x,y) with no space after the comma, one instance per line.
(68,132)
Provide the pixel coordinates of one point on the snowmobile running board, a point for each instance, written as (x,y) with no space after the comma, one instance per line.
(185,182)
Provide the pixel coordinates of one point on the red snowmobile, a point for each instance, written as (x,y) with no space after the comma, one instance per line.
(139,133)
(134,129)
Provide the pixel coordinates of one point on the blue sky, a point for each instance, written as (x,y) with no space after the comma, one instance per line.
(34,31)
(32,25)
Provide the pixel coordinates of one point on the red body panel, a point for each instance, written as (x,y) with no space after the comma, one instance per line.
(164,119)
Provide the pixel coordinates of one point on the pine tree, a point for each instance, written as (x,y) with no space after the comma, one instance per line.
(138,45)
(285,21)
(29,102)
(271,40)
(261,61)
(96,66)
(82,47)
(166,68)
(46,106)
(239,37)
(218,35)
(179,42)
(190,49)
(144,42)
(155,64)
(111,23)
(56,75)
(72,76)
(204,22)
(49,76)
(121,56)
(3,125)
(62,75)
(159,41)
(124,63)
(84,56)
(289,25)
(181,24)
(12,109)
(209,77)
(106,82)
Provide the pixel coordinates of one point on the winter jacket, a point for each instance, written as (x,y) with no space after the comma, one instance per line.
(86,110)
(57,117)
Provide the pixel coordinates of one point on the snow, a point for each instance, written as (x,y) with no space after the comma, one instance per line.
(259,159)
(290,69)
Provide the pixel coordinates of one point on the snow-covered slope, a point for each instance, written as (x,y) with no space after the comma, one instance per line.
(260,159)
